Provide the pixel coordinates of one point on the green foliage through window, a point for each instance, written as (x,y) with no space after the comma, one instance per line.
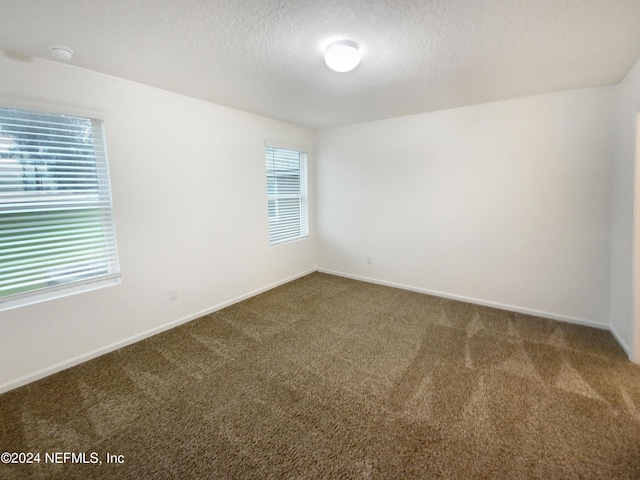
(56,225)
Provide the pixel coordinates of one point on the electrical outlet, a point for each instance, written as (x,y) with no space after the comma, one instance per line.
(368,260)
(173,294)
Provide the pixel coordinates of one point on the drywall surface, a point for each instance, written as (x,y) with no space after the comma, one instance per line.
(189,194)
(266,56)
(627,108)
(507,203)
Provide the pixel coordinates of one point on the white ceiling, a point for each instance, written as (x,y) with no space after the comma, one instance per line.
(266,56)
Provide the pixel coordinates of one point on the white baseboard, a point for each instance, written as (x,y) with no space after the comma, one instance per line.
(620,340)
(501,306)
(72,362)
(45,372)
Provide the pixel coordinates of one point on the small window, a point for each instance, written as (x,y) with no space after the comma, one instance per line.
(56,222)
(287,194)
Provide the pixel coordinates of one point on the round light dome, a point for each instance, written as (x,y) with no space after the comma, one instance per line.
(60,52)
(342,56)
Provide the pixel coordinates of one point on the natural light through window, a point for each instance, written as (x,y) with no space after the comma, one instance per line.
(287,194)
(56,221)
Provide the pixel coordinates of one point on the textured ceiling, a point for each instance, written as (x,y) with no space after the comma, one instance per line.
(266,56)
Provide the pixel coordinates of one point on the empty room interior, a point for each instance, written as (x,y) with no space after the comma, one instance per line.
(301,239)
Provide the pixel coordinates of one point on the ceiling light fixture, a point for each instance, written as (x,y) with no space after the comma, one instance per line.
(342,56)
(61,53)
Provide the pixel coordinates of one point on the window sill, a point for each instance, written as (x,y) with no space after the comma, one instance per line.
(288,240)
(32,298)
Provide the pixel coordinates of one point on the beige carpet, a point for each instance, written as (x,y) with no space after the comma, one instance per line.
(331,378)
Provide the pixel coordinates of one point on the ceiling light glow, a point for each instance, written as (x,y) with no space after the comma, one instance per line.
(342,56)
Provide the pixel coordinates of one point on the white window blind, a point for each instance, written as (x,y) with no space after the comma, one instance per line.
(56,222)
(287,194)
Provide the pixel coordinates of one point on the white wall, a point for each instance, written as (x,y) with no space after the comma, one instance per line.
(627,107)
(189,192)
(508,203)
(505,203)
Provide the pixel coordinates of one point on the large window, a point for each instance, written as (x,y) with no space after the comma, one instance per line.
(287,194)
(56,224)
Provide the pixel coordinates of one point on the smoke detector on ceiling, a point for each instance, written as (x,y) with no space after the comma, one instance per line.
(61,53)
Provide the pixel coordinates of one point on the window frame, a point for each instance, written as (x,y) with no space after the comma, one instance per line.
(80,283)
(302,196)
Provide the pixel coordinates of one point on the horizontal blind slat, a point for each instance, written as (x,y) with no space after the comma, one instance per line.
(56,225)
(286,194)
